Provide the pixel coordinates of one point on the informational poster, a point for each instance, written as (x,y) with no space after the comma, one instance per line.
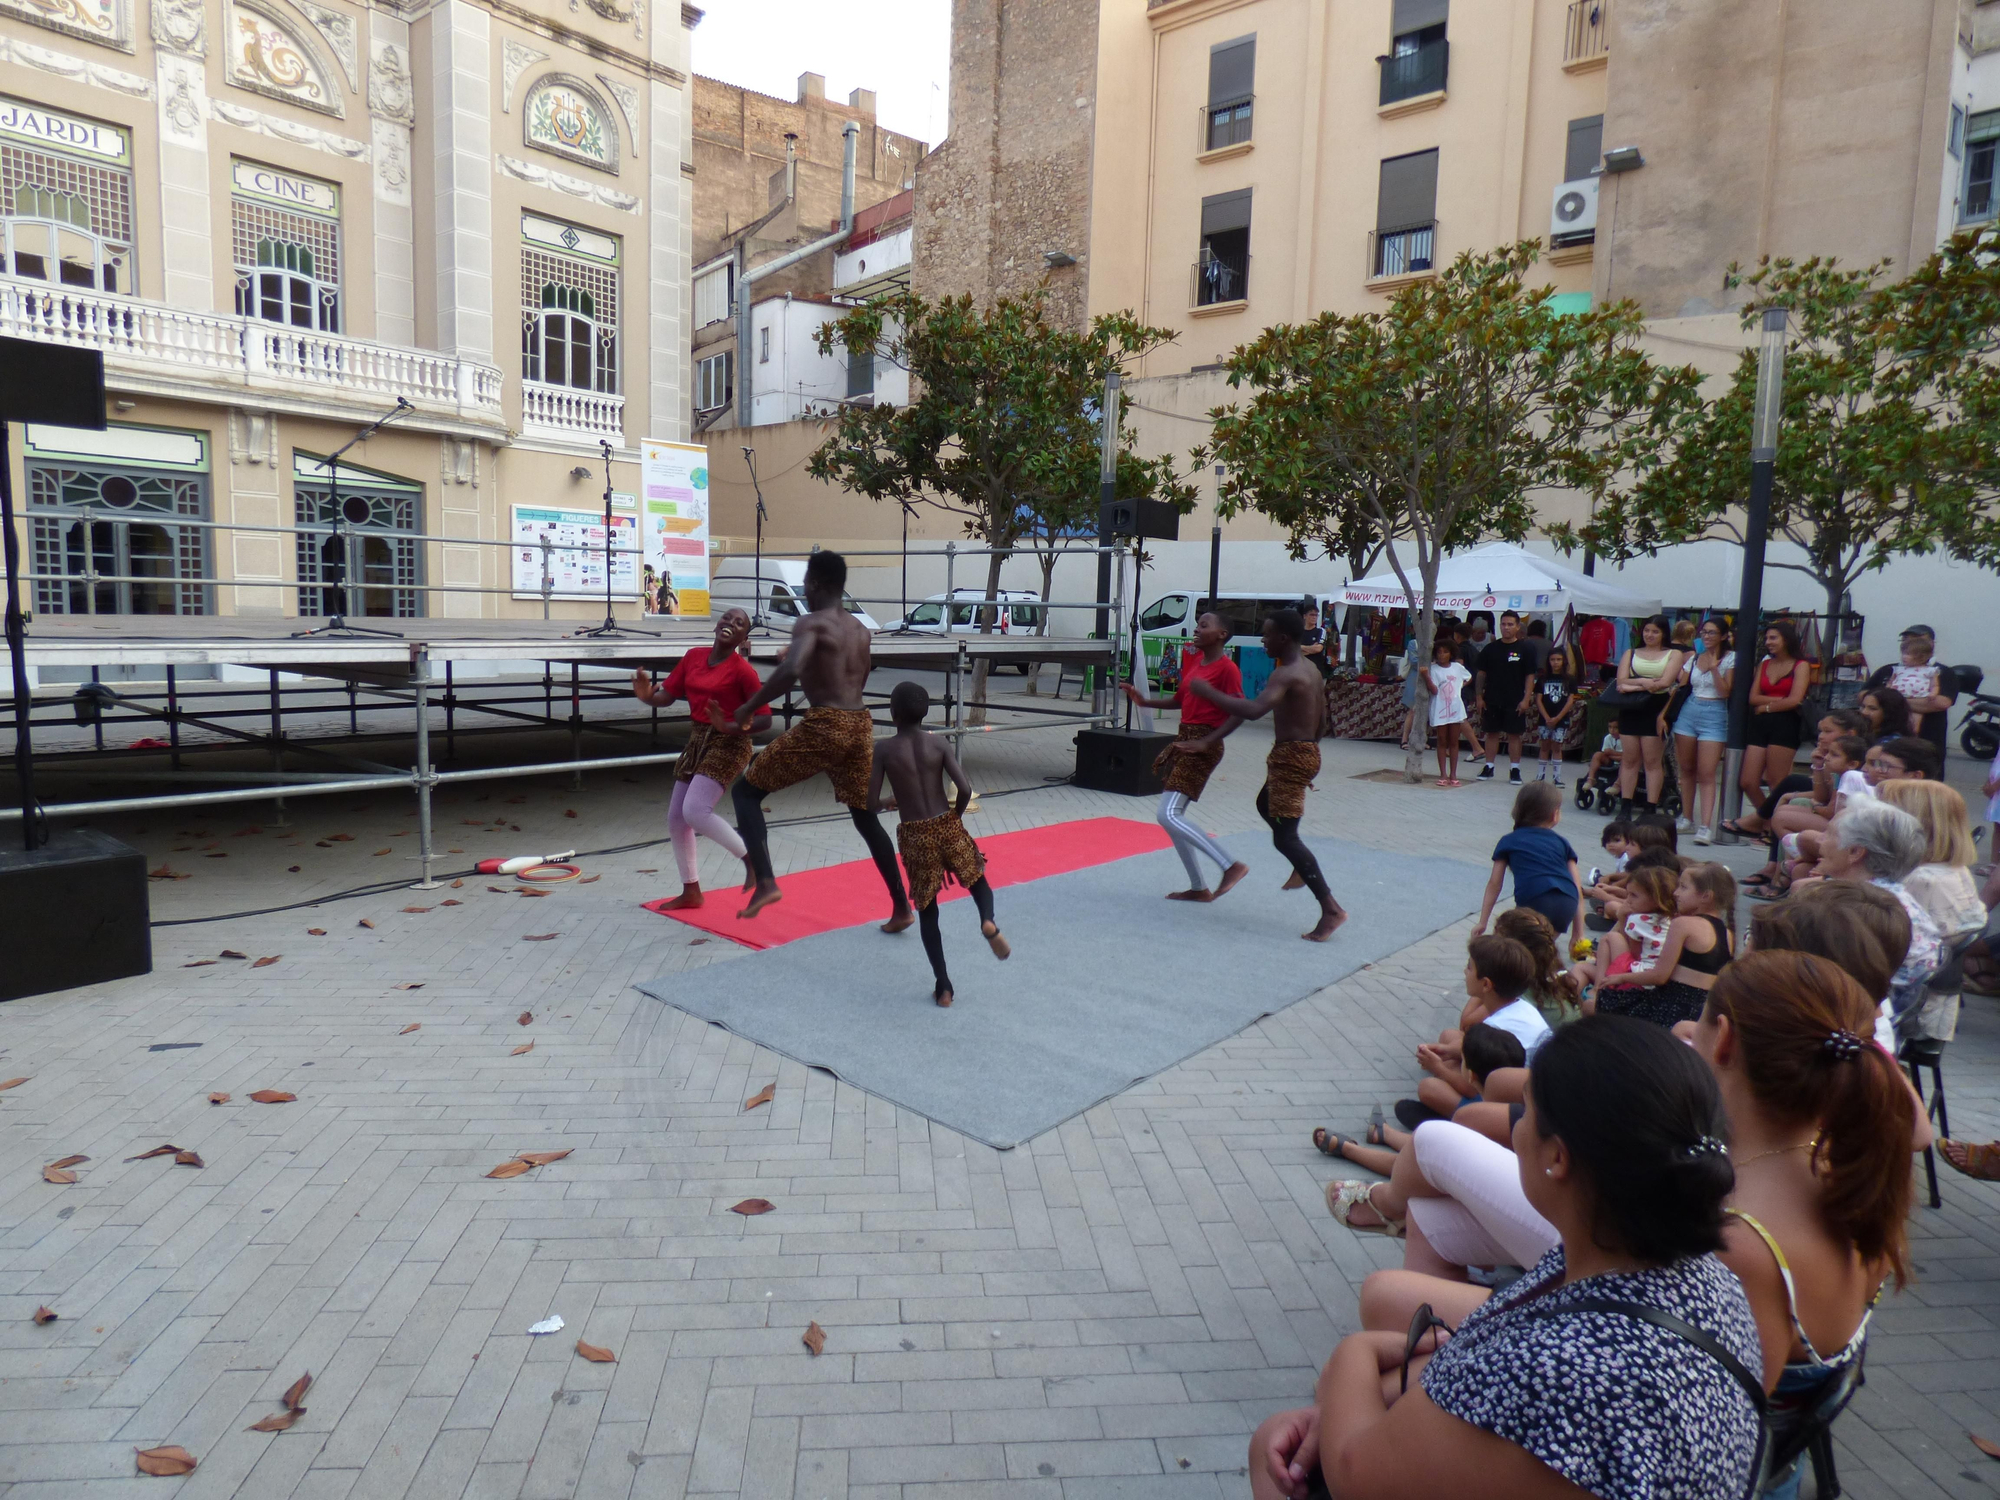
(574,558)
(673,509)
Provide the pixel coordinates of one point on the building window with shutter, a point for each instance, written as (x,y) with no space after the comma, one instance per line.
(1222,271)
(1232,74)
(712,294)
(1584,156)
(1405,216)
(712,389)
(1416,62)
(569,306)
(285,232)
(764,345)
(1982,142)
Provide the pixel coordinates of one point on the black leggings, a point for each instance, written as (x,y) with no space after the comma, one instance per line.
(749,804)
(1285,839)
(927,926)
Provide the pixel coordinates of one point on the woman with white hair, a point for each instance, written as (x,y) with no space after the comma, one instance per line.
(1880,844)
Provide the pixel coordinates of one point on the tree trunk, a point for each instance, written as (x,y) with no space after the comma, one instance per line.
(1426,623)
(1047,559)
(983,667)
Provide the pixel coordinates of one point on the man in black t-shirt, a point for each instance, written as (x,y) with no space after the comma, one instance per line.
(1505,684)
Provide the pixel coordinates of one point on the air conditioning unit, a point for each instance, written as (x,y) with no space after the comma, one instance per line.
(1573,217)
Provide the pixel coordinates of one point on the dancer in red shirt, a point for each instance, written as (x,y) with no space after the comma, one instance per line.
(1185,766)
(717,751)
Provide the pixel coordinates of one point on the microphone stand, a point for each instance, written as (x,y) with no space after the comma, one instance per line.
(336,622)
(903,626)
(610,625)
(757,598)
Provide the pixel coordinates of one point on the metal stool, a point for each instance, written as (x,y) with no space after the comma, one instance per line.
(1917,1054)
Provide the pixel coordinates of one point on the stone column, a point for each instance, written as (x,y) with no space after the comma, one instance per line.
(669,230)
(180,38)
(392,111)
(461,111)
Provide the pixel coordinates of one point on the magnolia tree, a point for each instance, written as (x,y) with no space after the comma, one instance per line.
(1001,432)
(1439,421)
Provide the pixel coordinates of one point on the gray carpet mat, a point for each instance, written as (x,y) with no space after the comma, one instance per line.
(1108,984)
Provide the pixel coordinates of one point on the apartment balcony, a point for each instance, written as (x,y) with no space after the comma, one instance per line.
(1225,129)
(154,349)
(1218,283)
(1587,36)
(569,415)
(1397,256)
(1416,72)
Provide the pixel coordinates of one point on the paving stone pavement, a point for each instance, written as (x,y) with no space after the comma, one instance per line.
(1104,1312)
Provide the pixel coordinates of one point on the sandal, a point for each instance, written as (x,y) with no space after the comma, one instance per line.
(1735,829)
(1772,891)
(1341,1199)
(1329,1144)
(1981,1161)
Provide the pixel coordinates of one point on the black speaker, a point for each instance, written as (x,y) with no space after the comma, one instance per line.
(1119,760)
(1153,519)
(74,911)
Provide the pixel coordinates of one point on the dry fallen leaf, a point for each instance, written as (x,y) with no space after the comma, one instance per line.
(44,1315)
(417,909)
(293,869)
(541,937)
(166,1463)
(156,1151)
(340,838)
(70,1161)
(218,1098)
(217,855)
(265,963)
(278,1421)
(523,891)
(456,850)
(592,1352)
(413,1026)
(296,1392)
(569,812)
(763,1096)
(315,932)
(449,902)
(12,1083)
(380,852)
(457,884)
(58,1176)
(199,963)
(751,1207)
(514,1168)
(815,1338)
(1985,1445)
(697,942)
(273,1096)
(231,953)
(529,1047)
(323,844)
(188,1159)
(543,1158)
(587,879)
(500,888)
(524,1018)
(364,922)
(648,872)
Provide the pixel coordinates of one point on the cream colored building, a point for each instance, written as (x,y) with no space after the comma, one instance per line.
(277,218)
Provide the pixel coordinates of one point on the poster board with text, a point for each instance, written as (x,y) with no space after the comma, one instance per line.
(673,509)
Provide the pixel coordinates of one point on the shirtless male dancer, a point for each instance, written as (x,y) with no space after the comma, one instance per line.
(828,660)
(1297,695)
(1185,766)
(933,839)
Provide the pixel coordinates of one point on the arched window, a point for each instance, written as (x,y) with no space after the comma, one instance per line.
(569,323)
(64,222)
(287,263)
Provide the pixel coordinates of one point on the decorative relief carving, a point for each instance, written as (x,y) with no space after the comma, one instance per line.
(181,26)
(562,182)
(392,161)
(390,91)
(286,130)
(338,31)
(610,9)
(106,21)
(565,115)
(458,461)
(628,103)
(515,59)
(267,56)
(253,437)
(183,97)
(47,60)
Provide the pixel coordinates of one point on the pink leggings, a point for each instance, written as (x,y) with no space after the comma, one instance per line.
(1485,1219)
(693,812)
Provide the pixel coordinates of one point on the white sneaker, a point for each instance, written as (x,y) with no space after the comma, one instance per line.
(1701,835)
(1683,825)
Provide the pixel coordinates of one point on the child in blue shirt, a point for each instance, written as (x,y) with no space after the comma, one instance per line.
(1542,862)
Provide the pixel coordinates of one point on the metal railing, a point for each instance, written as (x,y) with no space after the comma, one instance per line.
(1400,252)
(1224,124)
(1417,70)
(1588,32)
(206,344)
(1218,278)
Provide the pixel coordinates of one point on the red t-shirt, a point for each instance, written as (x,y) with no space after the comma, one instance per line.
(1222,675)
(1599,638)
(730,683)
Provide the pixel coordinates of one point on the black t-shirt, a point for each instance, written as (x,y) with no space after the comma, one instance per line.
(1507,668)
(1555,693)
(1936,726)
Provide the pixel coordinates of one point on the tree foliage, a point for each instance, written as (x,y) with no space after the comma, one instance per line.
(1001,431)
(1439,421)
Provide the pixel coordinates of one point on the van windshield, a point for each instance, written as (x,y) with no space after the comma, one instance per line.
(1245,616)
(926,614)
(1164,612)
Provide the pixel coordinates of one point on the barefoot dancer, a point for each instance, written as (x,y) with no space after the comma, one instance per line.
(933,839)
(1298,697)
(714,680)
(1185,765)
(828,660)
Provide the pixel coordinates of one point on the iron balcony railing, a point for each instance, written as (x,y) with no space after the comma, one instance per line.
(1225,124)
(1588,34)
(1218,278)
(1399,252)
(1417,70)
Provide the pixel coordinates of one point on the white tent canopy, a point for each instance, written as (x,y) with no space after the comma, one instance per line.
(1501,576)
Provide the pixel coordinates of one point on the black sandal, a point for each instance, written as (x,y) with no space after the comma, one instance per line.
(1735,829)
(1329,1144)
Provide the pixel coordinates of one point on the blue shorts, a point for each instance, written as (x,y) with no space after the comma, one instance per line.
(1704,719)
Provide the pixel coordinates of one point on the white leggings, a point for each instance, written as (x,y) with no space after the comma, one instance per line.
(693,812)
(1487,1220)
(1188,839)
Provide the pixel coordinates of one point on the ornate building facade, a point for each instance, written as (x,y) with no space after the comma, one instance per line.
(278,218)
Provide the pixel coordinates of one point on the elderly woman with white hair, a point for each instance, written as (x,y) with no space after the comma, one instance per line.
(1879,844)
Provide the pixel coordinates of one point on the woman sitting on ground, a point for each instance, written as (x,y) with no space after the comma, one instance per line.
(1619,1147)
(1699,941)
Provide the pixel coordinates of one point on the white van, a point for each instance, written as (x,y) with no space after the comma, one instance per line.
(734,585)
(1172,616)
(1020,611)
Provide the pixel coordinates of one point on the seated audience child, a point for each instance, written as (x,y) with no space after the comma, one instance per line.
(1608,754)
(1698,942)
(1498,972)
(1541,861)
(1643,917)
(1486,1050)
(1554,992)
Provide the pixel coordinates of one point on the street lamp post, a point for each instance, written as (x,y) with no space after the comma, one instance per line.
(1756,527)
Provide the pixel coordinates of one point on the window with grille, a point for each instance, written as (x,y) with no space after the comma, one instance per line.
(384,559)
(711,382)
(569,322)
(67,222)
(287,266)
(105,541)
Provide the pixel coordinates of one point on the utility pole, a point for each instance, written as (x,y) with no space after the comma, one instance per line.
(1107,490)
(1756,528)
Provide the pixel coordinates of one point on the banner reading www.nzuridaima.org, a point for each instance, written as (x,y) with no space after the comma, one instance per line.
(674,521)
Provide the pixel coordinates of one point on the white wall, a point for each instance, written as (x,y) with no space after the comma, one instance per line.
(796,374)
(890,253)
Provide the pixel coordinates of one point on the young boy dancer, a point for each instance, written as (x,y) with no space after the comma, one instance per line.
(1185,766)
(829,661)
(1297,697)
(935,845)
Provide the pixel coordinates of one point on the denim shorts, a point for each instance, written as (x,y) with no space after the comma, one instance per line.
(1704,719)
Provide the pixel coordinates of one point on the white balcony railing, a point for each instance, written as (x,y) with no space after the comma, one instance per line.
(197,346)
(561,411)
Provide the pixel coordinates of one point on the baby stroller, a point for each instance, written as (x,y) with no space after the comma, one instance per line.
(1601,790)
